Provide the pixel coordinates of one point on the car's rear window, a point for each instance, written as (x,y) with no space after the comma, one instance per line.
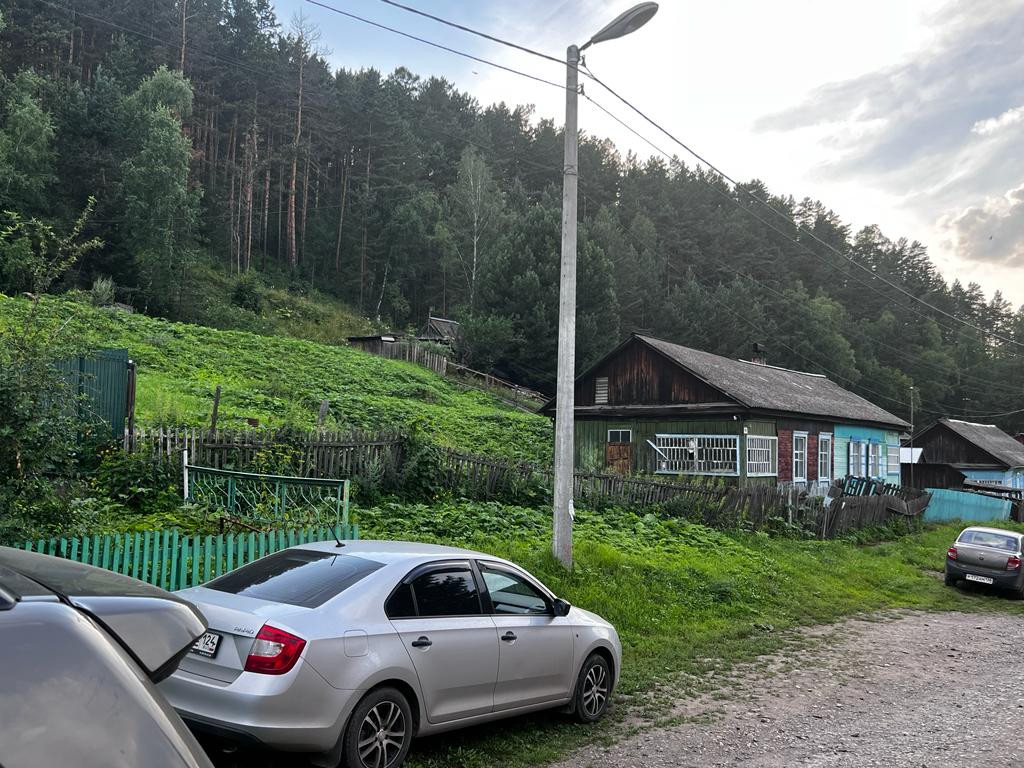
(989,539)
(302,577)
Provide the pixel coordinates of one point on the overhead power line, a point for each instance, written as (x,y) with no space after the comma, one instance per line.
(441,46)
(587,72)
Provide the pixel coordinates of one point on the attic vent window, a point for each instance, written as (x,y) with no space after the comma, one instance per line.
(601,391)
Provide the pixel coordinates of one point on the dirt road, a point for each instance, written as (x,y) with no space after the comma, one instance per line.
(911,691)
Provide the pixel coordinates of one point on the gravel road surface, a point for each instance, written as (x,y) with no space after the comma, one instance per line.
(903,692)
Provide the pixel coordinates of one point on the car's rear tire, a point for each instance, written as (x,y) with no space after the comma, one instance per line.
(950,580)
(380,724)
(593,687)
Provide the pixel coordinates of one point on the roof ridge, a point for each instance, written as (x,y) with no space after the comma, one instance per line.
(780,368)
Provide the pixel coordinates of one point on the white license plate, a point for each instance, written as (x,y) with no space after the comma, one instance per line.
(207,645)
(979,579)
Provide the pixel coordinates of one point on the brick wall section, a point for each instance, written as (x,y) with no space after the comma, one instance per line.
(812,459)
(785,456)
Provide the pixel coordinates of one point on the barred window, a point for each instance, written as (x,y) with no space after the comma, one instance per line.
(762,456)
(601,390)
(697,454)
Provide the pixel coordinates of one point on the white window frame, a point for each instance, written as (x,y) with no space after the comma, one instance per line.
(601,390)
(874,468)
(762,456)
(629,433)
(823,439)
(717,455)
(856,468)
(800,478)
(892,467)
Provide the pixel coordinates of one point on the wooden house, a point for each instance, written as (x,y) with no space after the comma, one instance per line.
(955,454)
(650,406)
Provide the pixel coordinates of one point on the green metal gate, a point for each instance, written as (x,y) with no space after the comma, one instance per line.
(102,388)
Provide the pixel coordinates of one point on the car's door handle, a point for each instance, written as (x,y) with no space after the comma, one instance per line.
(422,642)
(509,637)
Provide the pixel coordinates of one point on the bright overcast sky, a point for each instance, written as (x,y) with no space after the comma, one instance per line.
(906,114)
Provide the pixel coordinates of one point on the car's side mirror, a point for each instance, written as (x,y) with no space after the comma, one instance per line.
(561,607)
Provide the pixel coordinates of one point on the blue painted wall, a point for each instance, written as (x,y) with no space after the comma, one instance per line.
(1011,478)
(845,434)
(959,505)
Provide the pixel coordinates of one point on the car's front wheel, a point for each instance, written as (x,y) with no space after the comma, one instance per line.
(379,733)
(592,688)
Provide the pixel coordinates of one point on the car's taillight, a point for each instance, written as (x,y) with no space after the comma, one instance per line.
(274,651)
(1013,563)
(951,553)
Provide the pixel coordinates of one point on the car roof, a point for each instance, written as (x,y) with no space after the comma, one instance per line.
(389,552)
(989,530)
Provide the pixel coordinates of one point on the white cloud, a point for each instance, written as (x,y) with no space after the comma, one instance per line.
(992,232)
(995,124)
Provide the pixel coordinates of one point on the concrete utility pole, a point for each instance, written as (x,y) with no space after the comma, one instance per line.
(565,396)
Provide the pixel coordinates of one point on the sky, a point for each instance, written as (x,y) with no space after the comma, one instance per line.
(907,114)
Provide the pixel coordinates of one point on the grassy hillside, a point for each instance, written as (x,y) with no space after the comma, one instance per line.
(281,381)
(685,599)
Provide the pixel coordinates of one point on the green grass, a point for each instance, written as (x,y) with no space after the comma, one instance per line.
(685,600)
(281,381)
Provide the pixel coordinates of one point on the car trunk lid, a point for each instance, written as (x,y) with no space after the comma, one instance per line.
(234,620)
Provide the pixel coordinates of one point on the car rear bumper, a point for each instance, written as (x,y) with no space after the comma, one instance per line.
(298,711)
(1001,579)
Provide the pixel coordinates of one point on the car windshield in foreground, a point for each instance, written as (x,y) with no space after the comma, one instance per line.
(66,577)
(989,539)
(302,577)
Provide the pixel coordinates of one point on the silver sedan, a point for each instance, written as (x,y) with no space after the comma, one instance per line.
(349,652)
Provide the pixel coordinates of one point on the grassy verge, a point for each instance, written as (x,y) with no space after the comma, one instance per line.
(281,382)
(684,598)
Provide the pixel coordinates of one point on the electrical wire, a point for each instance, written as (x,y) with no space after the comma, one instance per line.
(442,47)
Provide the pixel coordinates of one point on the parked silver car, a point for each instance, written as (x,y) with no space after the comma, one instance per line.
(349,652)
(82,649)
(987,556)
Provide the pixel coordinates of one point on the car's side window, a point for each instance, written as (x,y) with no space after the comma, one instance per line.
(448,591)
(512,594)
(401,604)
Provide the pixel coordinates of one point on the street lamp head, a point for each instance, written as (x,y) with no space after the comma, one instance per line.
(624,23)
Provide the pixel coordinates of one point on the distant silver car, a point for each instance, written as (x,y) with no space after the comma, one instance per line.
(349,652)
(987,556)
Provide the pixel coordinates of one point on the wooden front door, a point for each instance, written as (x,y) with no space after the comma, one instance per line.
(618,458)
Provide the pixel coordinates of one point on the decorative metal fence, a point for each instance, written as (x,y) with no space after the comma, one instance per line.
(172,560)
(259,501)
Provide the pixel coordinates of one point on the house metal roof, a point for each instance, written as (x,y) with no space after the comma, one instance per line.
(990,439)
(766,387)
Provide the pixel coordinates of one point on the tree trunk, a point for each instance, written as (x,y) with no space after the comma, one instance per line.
(341,215)
(366,209)
(265,222)
(293,259)
(305,202)
(184,19)
(232,230)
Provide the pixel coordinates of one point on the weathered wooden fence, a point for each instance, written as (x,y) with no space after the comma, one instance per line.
(308,454)
(412,352)
(172,560)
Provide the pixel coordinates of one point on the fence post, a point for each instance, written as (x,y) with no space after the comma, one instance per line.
(184,472)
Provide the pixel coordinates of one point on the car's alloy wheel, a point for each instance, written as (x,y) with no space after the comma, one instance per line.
(592,689)
(380,731)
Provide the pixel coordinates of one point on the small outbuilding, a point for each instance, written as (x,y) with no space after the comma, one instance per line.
(956,454)
(441,331)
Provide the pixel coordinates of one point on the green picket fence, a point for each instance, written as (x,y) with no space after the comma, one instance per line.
(172,560)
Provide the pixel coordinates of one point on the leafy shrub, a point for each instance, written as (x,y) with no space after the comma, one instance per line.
(102,293)
(248,294)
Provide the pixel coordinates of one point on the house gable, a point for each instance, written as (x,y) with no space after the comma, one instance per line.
(635,374)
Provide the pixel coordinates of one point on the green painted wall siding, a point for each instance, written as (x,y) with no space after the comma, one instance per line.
(592,437)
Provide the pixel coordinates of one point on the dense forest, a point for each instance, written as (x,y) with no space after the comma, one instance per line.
(209,135)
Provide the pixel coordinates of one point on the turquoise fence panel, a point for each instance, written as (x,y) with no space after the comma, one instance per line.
(971,507)
(172,560)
